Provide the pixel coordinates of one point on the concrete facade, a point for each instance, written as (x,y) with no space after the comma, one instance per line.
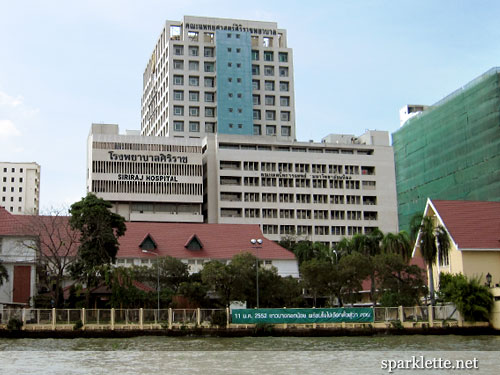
(20,187)
(145,178)
(214,75)
(309,191)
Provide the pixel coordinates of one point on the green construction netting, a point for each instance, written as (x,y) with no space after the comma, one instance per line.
(452,150)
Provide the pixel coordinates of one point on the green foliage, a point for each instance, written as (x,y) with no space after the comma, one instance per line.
(401,284)
(99,230)
(4,275)
(195,291)
(473,300)
(14,324)
(78,325)
(218,318)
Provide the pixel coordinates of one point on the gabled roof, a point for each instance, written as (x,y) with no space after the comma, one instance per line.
(193,239)
(148,239)
(220,241)
(472,225)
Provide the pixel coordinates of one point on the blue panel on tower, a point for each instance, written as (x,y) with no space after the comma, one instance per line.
(234,82)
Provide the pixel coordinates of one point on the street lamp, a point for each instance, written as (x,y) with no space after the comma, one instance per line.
(488,279)
(336,256)
(157,277)
(257,244)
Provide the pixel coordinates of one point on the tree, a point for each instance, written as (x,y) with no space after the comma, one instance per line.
(99,230)
(401,284)
(434,244)
(473,300)
(399,243)
(55,245)
(369,245)
(219,278)
(4,275)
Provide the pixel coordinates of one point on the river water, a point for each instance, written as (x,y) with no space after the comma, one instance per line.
(252,355)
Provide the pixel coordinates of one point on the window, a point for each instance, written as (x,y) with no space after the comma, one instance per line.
(238,80)
(255,70)
(268,56)
(283,71)
(194,65)
(208,52)
(229,64)
(194,127)
(271,130)
(255,55)
(178,95)
(269,85)
(255,84)
(178,110)
(239,95)
(285,131)
(285,101)
(178,50)
(285,116)
(284,86)
(178,64)
(271,115)
(210,127)
(193,51)
(283,56)
(268,70)
(270,100)
(209,112)
(256,114)
(209,67)
(209,82)
(178,80)
(230,94)
(178,126)
(257,130)
(238,65)
(256,99)
(230,79)
(194,96)
(229,35)
(238,50)
(194,81)
(209,97)
(230,110)
(194,111)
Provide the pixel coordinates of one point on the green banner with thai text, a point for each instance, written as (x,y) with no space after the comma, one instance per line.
(304,316)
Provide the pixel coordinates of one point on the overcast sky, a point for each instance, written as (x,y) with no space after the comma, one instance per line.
(66,64)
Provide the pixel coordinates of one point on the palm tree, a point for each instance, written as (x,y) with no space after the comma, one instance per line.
(399,243)
(434,244)
(4,275)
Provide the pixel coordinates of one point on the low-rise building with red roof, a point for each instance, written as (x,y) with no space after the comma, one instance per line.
(474,231)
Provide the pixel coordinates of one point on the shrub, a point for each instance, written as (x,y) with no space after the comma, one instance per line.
(78,325)
(218,318)
(14,324)
(473,300)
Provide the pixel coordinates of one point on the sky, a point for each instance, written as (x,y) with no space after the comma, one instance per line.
(66,64)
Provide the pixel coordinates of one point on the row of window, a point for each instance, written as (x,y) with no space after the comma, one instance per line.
(145,147)
(269,85)
(13,170)
(149,168)
(366,200)
(12,179)
(11,209)
(210,52)
(286,131)
(301,214)
(297,167)
(195,111)
(194,126)
(270,115)
(320,230)
(194,96)
(12,189)
(269,70)
(269,56)
(208,67)
(4,199)
(285,182)
(141,187)
(271,100)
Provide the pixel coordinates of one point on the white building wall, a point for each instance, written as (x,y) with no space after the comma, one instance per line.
(20,187)
(16,251)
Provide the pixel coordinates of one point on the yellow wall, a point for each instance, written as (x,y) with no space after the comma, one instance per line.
(479,263)
(495,311)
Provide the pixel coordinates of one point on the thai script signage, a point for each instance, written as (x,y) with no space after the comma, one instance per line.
(304,316)
(306,175)
(233,27)
(161,158)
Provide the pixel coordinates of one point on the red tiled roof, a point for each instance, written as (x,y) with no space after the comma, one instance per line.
(471,224)
(220,241)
